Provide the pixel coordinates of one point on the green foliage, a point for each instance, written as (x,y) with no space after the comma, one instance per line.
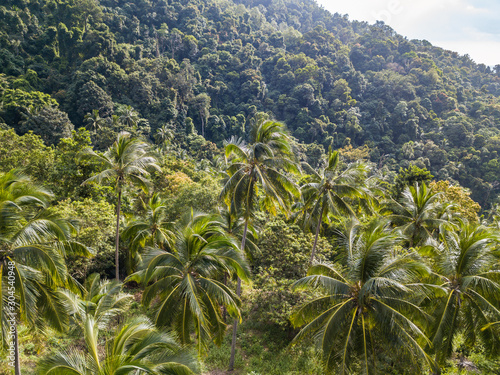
(282,259)
(284,250)
(152,230)
(260,164)
(27,152)
(210,67)
(367,300)
(100,300)
(263,353)
(201,196)
(191,75)
(419,213)
(70,171)
(409,177)
(126,162)
(464,265)
(331,191)
(186,280)
(136,345)
(464,205)
(34,243)
(49,123)
(96,225)
(15,101)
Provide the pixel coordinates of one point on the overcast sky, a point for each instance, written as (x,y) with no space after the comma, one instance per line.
(465,26)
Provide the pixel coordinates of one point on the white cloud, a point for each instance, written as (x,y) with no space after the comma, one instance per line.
(486,52)
(465,26)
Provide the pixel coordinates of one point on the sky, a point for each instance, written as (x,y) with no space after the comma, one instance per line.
(466,26)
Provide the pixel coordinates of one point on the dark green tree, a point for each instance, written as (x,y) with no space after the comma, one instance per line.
(49,123)
(409,177)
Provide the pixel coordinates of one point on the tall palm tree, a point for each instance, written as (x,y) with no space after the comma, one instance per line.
(264,163)
(331,191)
(33,245)
(187,280)
(137,348)
(419,213)
(152,230)
(465,266)
(126,161)
(371,297)
(234,226)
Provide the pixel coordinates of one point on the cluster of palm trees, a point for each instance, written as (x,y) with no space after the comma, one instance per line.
(407,275)
(126,117)
(410,278)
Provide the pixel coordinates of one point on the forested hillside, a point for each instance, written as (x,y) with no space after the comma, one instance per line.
(247,187)
(206,67)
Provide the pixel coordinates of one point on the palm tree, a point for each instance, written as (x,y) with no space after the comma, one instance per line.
(329,192)
(186,280)
(94,120)
(114,122)
(103,300)
(234,226)
(33,244)
(371,297)
(153,230)
(464,264)
(138,347)
(261,164)
(418,214)
(127,160)
(129,117)
(164,135)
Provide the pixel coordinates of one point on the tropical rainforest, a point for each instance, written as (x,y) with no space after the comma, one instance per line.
(257,187)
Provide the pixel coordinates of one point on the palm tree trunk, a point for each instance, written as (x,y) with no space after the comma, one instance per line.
(313,252)
(238,292)
(224,310)
(17,362)
(117,248)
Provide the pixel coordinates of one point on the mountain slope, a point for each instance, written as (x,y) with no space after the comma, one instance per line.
(208,66)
